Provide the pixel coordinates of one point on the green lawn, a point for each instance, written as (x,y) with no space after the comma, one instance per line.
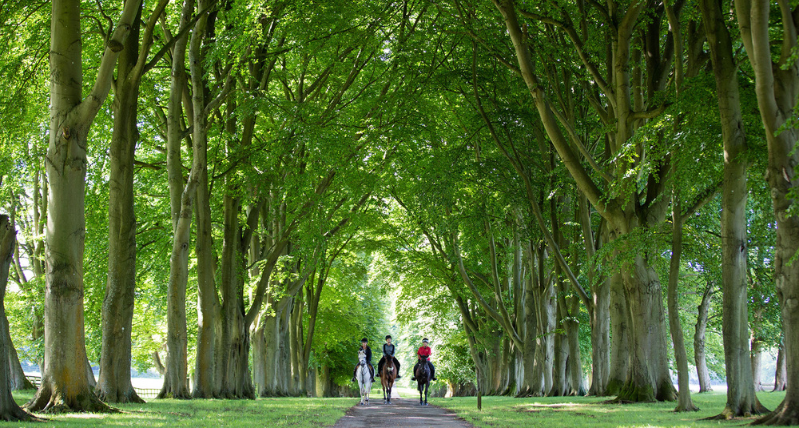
(573,412)
(570,412)
(263,412)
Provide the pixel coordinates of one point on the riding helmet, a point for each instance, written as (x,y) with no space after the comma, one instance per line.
(388,336)
(364,340)
(425,340)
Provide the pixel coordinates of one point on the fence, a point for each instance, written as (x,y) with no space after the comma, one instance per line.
(144,393)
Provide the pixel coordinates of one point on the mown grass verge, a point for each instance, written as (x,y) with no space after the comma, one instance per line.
(263,412)
(576,412)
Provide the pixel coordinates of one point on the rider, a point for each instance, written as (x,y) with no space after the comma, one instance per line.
(388,350)
(368,351)
(424,351)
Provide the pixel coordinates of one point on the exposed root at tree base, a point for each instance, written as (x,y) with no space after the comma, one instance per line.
(783,415)
(46,401)
(728,413)
(129,396)
(16,414)
(689,408)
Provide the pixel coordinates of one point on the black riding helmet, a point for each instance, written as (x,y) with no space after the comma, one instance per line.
(364,340)
(388,336)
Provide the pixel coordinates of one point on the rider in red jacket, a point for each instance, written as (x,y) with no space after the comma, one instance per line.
(424,351)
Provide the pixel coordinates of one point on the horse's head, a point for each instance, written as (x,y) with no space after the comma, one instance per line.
(423,359)
(362,357)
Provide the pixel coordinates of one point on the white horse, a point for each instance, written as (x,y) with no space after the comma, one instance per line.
(364,377)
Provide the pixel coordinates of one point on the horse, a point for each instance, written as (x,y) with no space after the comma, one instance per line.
(387,377)
(423,380)
(364,377)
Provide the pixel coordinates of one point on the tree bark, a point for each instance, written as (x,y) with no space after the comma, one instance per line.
(757,365)
(114,383)
(780,374)
(181,199)
(620,340)
(700,358)
(64,384)
(9,409)
(741,398)
(684,403)
(777,89)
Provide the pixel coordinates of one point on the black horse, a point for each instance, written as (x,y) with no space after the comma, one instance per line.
(423,380)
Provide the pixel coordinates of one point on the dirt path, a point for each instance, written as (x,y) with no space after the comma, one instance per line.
(400,413)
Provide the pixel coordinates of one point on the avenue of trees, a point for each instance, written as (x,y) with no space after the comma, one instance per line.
(568,197)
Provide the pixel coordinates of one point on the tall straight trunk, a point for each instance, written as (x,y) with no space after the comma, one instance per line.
(684,403)
(620,337)
(777,90)
(741,398)
(204,369)
(561,357)
(114,383)
(780,374)
(64,384)
(235,380)
(9,409)
(181,200)
(600,316)
(575,364)
(700,356)
(529,385)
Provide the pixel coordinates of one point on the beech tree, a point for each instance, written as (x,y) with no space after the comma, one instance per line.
(70,121)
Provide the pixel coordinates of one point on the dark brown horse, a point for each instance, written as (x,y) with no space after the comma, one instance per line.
(423,380)
(387,377)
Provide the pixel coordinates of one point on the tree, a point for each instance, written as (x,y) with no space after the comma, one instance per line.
(64,384)
(777,86)
(9,409)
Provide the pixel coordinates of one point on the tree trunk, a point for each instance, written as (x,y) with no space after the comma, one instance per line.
(64,384)
(17,375)
(741,398)
(561,356)
(700,357)
(777,88)
(204,370)
(117,313)
(780,374)
(620,337)
(181,199)
(235,340)
(575,363)
(649,378)
(9,409)
(757,365)
(684,403)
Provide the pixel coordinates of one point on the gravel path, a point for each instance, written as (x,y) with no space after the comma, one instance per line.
(400,413)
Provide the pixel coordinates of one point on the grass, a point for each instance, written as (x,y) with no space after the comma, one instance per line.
(571,412)
(574,412)
(263,412)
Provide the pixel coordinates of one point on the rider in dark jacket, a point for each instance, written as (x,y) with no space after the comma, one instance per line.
(388,351)
(368,351)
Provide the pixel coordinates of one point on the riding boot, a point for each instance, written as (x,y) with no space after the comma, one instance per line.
(416,367)
(355,374)
(432,372)
(372,371)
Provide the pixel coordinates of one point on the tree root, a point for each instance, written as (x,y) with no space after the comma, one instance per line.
(728,413)
(129,396)
(47,401)
(785,414)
